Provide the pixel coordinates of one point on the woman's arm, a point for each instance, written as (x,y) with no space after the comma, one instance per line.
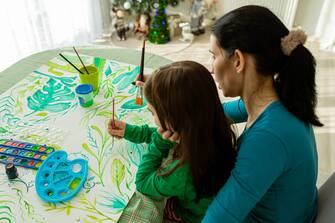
(261,160)
(235,110)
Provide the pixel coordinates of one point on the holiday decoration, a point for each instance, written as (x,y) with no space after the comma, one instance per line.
(120,25)
(138,6)
(142,25)
(174,21)
(187,36)
(159,30)
(198,10)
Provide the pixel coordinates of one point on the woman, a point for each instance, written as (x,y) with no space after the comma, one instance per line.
(257,58)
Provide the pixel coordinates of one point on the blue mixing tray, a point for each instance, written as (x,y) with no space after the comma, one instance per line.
(59,179)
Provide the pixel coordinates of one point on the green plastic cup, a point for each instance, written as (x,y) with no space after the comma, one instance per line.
(92,78)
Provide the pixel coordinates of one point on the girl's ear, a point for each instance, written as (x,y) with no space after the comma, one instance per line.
(240,61)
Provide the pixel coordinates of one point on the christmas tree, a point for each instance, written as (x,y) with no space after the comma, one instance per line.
(159,31)
(140,6)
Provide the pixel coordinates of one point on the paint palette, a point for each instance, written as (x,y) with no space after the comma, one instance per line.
(59,179)
(23,153)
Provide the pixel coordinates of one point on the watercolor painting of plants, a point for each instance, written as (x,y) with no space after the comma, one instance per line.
(43,108)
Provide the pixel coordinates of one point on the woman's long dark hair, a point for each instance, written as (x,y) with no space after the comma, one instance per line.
(257,31)
(184,95)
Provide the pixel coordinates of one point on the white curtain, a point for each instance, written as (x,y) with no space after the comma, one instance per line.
(284,9)
(325,28)
(29,26)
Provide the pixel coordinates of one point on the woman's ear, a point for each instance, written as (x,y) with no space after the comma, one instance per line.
(240,61)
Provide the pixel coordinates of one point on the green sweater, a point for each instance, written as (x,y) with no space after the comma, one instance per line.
(178,184)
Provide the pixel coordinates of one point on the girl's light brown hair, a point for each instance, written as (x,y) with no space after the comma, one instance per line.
(185,96)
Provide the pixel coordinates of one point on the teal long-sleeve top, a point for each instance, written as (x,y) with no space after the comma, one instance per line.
(274,179)
(178,183)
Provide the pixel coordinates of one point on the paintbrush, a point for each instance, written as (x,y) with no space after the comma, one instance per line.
(113,114)
(141,75)
(80,60)
(139,94)
(70,63)
(142,62)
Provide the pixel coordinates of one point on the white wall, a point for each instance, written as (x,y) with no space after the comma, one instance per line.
(308,14)
(284,9)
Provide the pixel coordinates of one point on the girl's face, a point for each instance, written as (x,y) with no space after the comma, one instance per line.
(223,69)
(153,112)
(156,119)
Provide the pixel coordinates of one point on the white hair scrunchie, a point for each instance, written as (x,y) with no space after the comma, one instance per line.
(292,40)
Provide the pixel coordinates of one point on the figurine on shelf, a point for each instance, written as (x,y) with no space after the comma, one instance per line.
(141,26)
(119,23)
(187,36)
(198,10)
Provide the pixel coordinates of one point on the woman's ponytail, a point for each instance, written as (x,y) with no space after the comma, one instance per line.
(295,85)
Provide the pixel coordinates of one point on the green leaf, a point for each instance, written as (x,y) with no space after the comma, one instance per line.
(42,114)
(99,63)
(3,130)
(6,214)
(92,217)
(131,105)
(53,97)
(117,172)
(97,129)
(106,114)
(124,80)
(93,171)
(120,98)
(89,150)
(68,210)
(108,87)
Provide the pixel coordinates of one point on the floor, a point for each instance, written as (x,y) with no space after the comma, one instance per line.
(325,79)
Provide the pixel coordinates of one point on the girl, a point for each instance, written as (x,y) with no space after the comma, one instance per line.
(183,98)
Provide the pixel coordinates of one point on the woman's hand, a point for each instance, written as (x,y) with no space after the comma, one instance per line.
(118,130)
(167,134)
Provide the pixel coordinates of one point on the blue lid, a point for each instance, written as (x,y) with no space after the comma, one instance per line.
(84,89)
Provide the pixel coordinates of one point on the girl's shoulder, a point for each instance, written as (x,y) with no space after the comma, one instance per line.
(173,165)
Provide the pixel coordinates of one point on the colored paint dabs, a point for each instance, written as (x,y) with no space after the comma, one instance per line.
(23,154)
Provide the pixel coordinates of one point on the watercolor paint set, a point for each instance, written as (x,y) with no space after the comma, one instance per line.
(23,154)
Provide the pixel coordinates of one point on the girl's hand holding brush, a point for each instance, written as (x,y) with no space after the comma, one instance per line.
(116,129)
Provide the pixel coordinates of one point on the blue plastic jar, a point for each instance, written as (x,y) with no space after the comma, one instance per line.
(85,94)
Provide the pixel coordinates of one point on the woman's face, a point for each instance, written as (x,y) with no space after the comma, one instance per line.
(223,69)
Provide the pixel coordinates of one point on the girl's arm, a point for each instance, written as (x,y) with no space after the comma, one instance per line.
(235,110)
(138,134)
(148,182)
